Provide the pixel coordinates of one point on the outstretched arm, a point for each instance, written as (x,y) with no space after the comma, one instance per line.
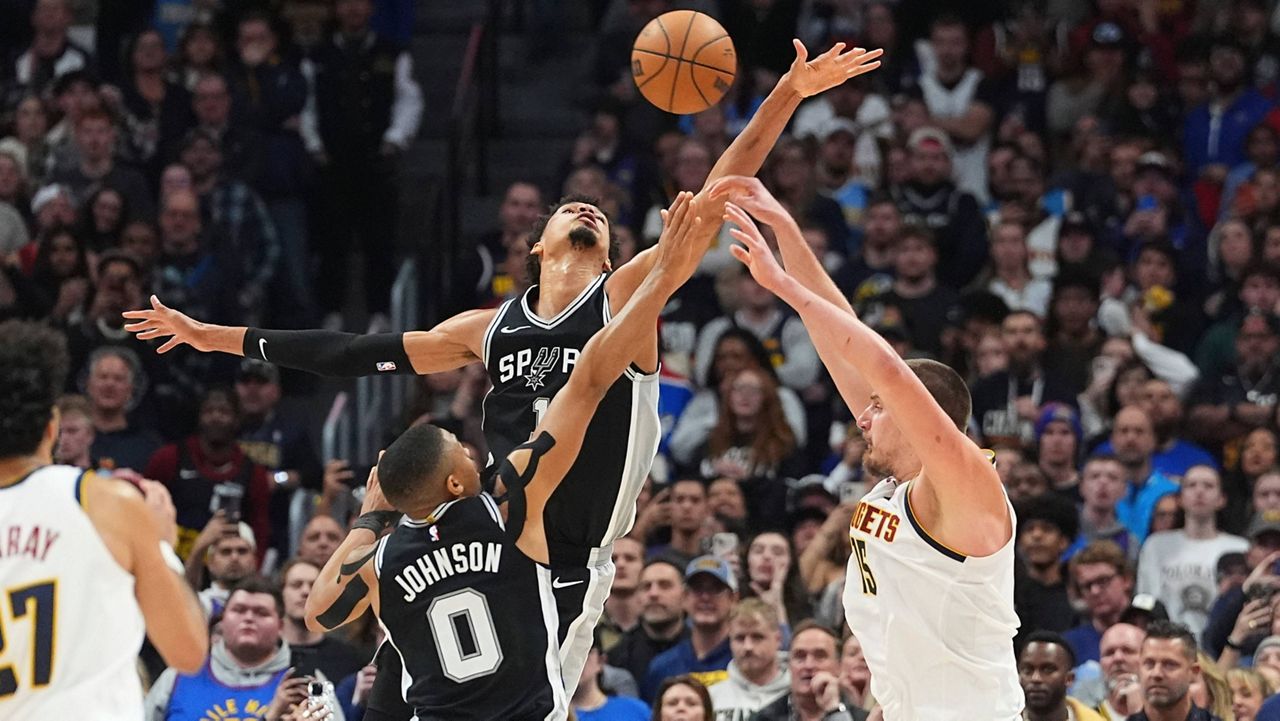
(957,483)
(606,356)
(747,152)
(750,195)
(348,583)
(452,344)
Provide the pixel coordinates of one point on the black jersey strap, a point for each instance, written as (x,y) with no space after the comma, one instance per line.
(515,482)
(329,353)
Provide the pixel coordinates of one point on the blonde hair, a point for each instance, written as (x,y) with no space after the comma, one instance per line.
(1215,683)
(1251,678)
(757,610)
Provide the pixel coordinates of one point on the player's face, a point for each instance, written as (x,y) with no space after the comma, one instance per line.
(768,554)
(628,559)
(812,652)
(1045,673)
(250,623)
(663,589)
(575,226)
(1166,672)
(297,587)
(884,440)
(754,645)
(230,560)
(681,703)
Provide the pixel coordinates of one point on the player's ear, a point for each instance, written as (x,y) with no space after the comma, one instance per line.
(607,266)
(453,484)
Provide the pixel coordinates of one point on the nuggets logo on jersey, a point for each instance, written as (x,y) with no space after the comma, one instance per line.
(533,368)
(875,521)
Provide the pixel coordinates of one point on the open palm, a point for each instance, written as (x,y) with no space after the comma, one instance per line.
(754,252)
(810,77)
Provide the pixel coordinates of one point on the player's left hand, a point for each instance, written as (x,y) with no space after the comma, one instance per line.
(826,690)
(683,241)
(754,251)
(810,77)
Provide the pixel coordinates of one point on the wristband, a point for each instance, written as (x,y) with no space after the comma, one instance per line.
(376,521)
(1233,645)
(171,559)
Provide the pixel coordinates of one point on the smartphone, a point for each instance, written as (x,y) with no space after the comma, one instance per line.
(227,497)
(1147,202)
(724,545)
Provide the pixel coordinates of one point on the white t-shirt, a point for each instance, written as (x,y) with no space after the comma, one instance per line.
(1180,571)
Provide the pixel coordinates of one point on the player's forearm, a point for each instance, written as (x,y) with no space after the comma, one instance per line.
(747,152)
(336,592)
(327,353)
(612,348)
(856,356)
(804,266)
(223,338)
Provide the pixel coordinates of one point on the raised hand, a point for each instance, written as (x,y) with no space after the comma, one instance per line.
(754,252)
(750,194)
(810,77)
(161,321)
(684,239)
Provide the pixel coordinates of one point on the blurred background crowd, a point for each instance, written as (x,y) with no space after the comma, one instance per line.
(1075,203)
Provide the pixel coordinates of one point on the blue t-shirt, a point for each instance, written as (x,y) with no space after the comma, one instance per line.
(1084,640)
(1175,461)
(680,659)
(616,708)
(1139,504)
(1270,710)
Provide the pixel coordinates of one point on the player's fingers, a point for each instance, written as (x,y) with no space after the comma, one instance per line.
(149,334)
(833,52)
(137,314)
(741,254)
(802,53)
(155,303)
(664,214)
(735,214)
(169,345)
(140,325)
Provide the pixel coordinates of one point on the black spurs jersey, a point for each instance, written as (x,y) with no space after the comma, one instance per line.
(529,360)
(471,618)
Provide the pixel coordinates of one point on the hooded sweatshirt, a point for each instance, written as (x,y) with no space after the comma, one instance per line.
(737,699)
(224,682)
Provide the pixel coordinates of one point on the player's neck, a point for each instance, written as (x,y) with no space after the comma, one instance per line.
(15,468)
(1202,528)
(296,633)
(560,282)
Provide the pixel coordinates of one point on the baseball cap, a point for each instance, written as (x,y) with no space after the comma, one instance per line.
(46,195)
(258,369)
(1268,642)
(712,566)
(922,138)
(1154,160)
(1059,412)
(835,125)
(1145,605)
(1263,522)
(1107,35)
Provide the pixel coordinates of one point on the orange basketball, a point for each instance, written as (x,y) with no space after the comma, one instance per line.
(683,61)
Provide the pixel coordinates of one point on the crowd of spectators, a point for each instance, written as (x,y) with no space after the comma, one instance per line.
(1075,203)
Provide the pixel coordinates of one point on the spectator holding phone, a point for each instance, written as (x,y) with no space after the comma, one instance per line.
(204,472)
(227,550)
(683,507)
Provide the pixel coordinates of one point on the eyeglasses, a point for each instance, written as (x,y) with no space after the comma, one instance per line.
(1099,582)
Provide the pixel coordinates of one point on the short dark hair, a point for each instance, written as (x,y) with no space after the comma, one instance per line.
(1052,509)
(410,463)
(811,625)
(33,374)
(1049,637)
(1173,631)
(533,265)
(947,388)
(259,584)
(919,232)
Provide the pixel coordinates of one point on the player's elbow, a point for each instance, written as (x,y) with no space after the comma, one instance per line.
(190,655)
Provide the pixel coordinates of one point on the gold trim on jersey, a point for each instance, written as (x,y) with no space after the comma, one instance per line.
(81,497)
(939,546)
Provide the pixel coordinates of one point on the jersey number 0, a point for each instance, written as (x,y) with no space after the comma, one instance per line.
(466,641)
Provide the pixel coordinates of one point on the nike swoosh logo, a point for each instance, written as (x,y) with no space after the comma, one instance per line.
(262,347)
(513,330)
(557,584)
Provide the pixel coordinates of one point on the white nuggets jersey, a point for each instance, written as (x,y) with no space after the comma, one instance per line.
(69,621)
(936,627)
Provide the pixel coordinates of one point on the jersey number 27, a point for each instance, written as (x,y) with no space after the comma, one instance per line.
(37,602)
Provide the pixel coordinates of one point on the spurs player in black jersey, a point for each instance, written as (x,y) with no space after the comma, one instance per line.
(461,586)
(531,345)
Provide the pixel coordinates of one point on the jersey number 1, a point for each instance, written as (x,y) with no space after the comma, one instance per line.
(38,601)
(466,640)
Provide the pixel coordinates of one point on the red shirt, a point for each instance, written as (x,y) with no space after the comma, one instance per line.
(192,489)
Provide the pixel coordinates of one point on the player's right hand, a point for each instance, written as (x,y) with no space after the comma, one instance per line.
(160,504)
(161,321)
(682,243)
(749,194)
(374,500)
(754,252)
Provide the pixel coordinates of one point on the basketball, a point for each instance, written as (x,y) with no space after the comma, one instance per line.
(683,62)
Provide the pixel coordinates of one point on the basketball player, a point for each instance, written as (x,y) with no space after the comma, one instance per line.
(86,563)
(466,599)
(529,345)
(929,592)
